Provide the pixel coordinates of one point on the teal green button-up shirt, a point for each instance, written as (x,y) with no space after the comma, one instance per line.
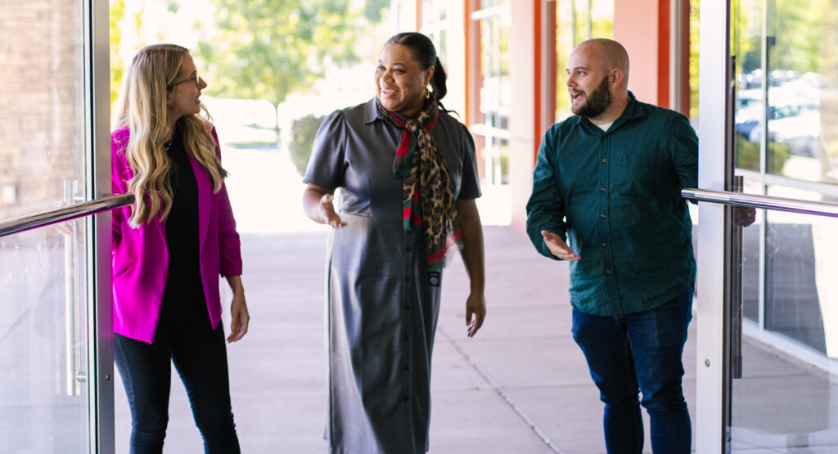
(615,197)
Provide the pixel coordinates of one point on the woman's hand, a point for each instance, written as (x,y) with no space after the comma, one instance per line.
(240,317)
(475,312)
(327,212)
(472,254)
(319,206)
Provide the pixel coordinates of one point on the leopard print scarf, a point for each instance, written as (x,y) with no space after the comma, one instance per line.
(426,183)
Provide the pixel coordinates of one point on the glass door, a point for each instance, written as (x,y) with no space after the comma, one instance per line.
(768,338)
(56,360)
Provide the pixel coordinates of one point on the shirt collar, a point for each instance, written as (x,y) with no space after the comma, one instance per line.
(371,111)
(634,110)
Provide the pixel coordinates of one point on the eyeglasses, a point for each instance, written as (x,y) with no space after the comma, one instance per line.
(195,79)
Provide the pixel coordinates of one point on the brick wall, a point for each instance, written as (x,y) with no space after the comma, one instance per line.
(41,103)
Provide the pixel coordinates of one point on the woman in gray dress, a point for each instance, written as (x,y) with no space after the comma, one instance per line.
(408,181)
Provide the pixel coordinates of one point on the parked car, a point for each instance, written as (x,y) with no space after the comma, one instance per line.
(793,116)
(798,126)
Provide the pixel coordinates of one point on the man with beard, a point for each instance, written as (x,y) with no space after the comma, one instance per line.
(607,197)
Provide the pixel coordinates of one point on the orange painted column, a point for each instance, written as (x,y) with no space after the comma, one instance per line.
(684,60)
(643,27)
(418,15)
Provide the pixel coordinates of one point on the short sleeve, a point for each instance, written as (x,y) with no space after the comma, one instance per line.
(327,164)
(470,185)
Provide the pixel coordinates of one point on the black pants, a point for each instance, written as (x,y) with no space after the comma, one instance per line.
(184,336)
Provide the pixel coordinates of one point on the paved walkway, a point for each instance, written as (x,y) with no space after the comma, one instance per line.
(519,382)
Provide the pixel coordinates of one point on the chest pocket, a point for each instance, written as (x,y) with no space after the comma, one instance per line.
(635,166)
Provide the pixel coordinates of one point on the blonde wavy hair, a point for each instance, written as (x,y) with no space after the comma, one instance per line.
(142,107)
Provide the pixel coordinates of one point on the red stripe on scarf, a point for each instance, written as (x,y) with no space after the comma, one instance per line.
(417,219)
(407,211)
(440,254)
(404,146)
(431,126)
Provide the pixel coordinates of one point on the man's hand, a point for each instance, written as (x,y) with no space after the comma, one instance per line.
(744,216)
(558,247)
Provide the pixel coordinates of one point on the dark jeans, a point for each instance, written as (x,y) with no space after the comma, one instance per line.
(640,352)
(184,336)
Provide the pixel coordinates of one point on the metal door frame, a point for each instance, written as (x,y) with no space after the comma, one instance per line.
(711,367)
(97,83)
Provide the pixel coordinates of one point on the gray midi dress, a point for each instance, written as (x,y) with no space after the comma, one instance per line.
(382,302)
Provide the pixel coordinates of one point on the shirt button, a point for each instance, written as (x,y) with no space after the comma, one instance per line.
(406,337)
(407,278)
(604,244)
(406,368)
(602,189)
(410,249)
(607,271)
(407,307)
(602,216)
(603,159)
(406,398)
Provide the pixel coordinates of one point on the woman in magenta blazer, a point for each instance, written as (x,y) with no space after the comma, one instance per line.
(169,249)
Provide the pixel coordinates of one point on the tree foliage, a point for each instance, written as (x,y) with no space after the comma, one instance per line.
(373,9)
(267,49)
(303,131)
(117,13)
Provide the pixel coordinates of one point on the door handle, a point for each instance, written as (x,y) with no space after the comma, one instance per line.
(72,386)
(735,296)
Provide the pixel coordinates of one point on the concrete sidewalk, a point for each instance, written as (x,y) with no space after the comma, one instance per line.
(521,376)
(521,382)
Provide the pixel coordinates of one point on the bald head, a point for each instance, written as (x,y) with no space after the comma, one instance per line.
(609,53)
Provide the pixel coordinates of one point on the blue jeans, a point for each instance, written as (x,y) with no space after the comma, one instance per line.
(640,352)
(184,336)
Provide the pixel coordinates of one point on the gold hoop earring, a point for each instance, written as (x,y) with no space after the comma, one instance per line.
(427,92)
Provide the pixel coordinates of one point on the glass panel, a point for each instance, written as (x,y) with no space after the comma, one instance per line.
(434,15)
(41,105)
(802,64)
(434,11)
(750,260)
(43,342)
(801,292)
(576,21)
(490,3)
(746,36)
(801,414)
(494,93)
(43,318)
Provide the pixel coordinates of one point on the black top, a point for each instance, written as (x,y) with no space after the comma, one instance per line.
(182,242)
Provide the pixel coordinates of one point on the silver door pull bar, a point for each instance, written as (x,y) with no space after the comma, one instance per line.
(66,213)
(762,201)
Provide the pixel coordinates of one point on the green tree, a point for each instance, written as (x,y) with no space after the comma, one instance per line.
(373,9)
(117,13)
(303,131)
(796,25)
(267,49)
